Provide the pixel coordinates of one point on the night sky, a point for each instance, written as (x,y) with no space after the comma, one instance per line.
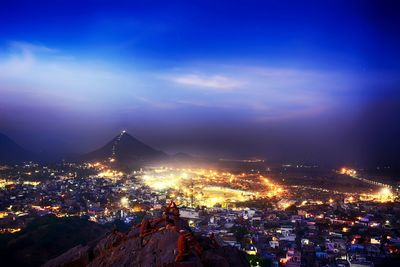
(283,80)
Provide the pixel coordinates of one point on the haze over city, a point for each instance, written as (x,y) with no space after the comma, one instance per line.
(313,82)
(199,133)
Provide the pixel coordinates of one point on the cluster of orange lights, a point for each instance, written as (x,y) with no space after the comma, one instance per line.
(209,187)
(348,171)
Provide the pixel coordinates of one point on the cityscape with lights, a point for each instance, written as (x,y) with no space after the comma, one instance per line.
(265,211)
(206,133)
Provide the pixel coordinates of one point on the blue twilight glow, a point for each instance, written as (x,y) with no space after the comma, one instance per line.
(291,79)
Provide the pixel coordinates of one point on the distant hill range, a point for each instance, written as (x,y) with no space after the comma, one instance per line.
(124,148)
(11,152)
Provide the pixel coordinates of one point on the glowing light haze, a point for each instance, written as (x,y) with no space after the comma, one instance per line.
(305,80)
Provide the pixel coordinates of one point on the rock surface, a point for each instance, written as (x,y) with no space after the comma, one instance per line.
(156,249)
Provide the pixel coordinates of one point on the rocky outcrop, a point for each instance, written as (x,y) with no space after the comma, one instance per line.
(75,257)
(158,247)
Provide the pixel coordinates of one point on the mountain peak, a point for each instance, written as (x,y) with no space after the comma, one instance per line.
(125,148)
(124,135)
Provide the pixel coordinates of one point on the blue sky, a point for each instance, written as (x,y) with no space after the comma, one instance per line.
(279,78)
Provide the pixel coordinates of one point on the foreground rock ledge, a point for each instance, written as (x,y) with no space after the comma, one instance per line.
(156,249)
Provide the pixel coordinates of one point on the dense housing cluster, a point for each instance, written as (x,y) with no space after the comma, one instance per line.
(275,221)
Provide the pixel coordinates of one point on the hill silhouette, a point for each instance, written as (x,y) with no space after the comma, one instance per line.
(125,148)
(11,152)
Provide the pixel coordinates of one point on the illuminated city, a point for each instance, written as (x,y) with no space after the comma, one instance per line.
(260,133)
(266,201)
(202,187)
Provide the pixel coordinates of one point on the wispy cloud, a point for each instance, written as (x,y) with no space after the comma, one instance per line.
(43,76)
(219,82)
(30,47)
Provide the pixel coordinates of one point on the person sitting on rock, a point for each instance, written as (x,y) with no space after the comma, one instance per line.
(187,241)
(182,246)
(172,210)
(145,228)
